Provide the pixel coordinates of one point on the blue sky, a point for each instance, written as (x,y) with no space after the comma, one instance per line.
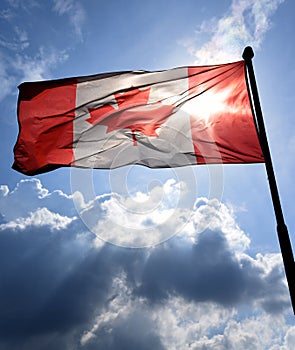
(218,282)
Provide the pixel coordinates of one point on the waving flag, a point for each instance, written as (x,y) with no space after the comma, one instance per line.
(177,117)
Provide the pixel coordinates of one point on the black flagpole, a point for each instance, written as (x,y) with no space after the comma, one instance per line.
(282,230)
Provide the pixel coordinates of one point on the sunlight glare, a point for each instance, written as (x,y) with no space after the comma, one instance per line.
(207,104)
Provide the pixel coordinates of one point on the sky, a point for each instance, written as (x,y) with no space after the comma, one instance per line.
(136,258)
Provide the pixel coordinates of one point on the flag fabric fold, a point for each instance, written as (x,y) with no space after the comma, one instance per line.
(177,117)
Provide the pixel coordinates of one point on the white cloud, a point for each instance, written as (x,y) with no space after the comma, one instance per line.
(244,24)
(182,323)
(6,14)
(39,66)
(214,215)
(39,218)
(23,37)
(141,219)
(23,67)
(42,209)
(26,5)
(127,222)
(7,80)
(15,204)
(289,339)
(74,10)
(16,65)
(19,42)
(256,332)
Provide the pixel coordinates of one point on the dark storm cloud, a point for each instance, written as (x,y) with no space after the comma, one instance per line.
(202,272)
(133,333)
(210,271)
(53,284)
(47,284)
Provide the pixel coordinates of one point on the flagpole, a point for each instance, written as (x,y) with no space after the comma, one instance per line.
(282,230)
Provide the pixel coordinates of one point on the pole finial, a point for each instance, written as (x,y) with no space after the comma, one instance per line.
(248,53)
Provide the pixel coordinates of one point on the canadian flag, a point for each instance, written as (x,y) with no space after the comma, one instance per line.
(171,118)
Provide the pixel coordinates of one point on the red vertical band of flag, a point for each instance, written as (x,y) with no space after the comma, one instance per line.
(46,112)
(231,136)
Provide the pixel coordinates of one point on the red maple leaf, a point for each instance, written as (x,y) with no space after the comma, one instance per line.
(133,112)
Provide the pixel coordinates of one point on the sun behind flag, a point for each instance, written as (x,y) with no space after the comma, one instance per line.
(177,117)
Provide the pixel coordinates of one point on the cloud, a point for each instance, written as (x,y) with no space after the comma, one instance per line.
(6,14)
(7,80)
(16,65)
(19,43)
(49,285)
(252,333)
(13,203)
(246,23)
(214,215)
(43,209)
(39,66)
(210,271)
(27,6)
(179,324)
(22,37)
(111,329)
(141,220)
(74,11)
(60,290)
(289,339)
(41,217)
(22,67)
